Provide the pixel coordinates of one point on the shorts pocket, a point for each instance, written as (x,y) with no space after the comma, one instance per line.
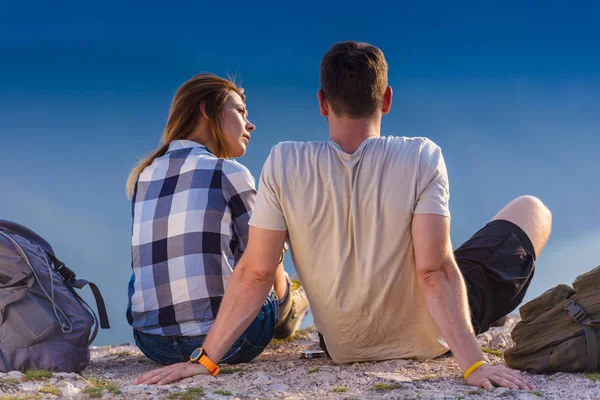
(510,265)
(509,272)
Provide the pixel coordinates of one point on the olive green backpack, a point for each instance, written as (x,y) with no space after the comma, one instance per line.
(560,330)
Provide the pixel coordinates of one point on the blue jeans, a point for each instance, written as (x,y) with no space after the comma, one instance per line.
(174,349)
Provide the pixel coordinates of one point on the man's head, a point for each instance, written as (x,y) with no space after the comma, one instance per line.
(354,81)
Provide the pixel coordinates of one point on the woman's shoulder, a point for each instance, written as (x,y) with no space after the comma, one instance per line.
(237,172)
(234,167)
(200,158)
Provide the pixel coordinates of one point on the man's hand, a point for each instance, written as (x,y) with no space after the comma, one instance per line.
(487,376)
(171,373)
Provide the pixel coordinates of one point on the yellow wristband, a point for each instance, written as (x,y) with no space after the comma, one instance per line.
(472,368)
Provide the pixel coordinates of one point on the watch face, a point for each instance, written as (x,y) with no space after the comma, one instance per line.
(195,354)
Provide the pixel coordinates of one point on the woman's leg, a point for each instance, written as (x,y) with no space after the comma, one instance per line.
(281,284)
(293,303)
(160,349)
(251,343)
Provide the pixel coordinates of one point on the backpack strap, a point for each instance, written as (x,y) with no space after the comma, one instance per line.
(579,316)
(79,284)
(69,277)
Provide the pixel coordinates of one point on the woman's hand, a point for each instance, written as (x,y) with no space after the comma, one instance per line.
(171,373)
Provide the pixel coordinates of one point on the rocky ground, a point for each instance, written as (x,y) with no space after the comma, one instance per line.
(280,373)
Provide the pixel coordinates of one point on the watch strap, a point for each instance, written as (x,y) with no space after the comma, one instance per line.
(202,359)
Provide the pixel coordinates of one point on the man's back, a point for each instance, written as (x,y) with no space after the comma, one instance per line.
(349,222)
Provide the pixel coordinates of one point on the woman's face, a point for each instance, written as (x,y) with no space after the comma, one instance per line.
(235,125)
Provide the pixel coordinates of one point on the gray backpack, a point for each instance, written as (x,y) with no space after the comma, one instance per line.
(44,324)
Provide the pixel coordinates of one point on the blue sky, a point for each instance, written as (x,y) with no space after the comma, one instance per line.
(511,93)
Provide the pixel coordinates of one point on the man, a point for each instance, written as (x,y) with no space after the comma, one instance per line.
(367,221)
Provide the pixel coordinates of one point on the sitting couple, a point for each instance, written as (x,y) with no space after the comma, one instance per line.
(367,221)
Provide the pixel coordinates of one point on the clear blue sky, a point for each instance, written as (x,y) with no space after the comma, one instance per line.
(510,92)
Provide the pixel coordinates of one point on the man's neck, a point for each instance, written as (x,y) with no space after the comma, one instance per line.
(350,133)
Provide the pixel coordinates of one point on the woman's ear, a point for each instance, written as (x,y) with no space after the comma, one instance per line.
(203,110)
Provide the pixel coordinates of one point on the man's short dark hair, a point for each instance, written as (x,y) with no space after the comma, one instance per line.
(354,79)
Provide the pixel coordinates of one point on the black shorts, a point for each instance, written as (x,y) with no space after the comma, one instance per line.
(497,264)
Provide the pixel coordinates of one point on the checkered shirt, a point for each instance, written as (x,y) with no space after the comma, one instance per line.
(190,227)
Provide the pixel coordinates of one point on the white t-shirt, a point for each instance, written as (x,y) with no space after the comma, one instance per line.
(348,218)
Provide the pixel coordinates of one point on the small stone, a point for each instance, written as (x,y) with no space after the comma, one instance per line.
(262,379)
(528,396)
(143,387)
(279,387)
(67,389)
(80,384)
(290,364)
(325,376)
(15,375)
(130,389)
(29,386)
(67,376)
(391,376)
(499,391)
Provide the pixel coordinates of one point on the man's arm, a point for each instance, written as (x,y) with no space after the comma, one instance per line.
(246,292)
(446,299)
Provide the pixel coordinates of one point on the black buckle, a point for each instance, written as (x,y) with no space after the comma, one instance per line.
(575,311)
(64,271)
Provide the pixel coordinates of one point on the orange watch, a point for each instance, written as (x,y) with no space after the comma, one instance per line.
(199,356)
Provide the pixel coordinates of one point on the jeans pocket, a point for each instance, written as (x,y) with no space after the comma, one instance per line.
(159,350)
(242,353)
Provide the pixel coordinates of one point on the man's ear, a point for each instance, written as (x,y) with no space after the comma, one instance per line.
(387,100)
(323,105)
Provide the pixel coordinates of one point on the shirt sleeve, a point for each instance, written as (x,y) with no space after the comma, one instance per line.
(433,193)
(240,193)
(268,213)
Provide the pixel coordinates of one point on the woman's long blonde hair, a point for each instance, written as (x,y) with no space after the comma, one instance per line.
(183,117)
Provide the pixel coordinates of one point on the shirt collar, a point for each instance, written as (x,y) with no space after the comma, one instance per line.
(184,144)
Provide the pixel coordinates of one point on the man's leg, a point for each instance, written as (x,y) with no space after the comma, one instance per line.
(498,262)
(532,216)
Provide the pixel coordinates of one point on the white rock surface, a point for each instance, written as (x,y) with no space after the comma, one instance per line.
(280,374)
(29,386)
(67,389)
(15,375)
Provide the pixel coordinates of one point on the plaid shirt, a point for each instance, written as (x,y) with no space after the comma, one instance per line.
(190,227)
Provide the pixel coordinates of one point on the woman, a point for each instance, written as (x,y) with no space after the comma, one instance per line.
(191,206)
